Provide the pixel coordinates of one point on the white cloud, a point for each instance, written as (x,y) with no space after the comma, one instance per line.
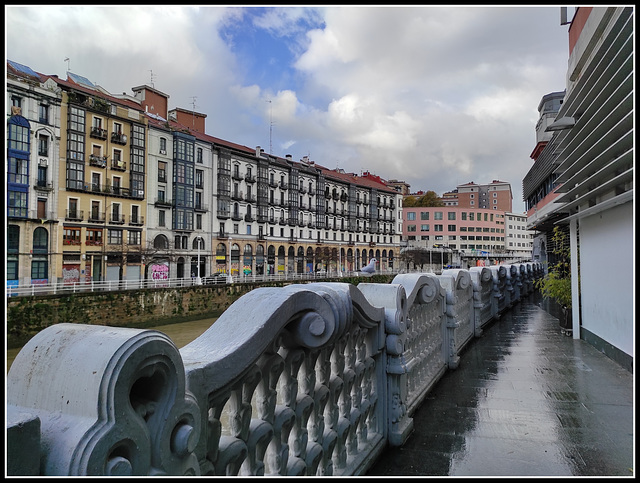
(435,96)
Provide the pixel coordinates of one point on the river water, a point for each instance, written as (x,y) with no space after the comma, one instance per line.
(181,334)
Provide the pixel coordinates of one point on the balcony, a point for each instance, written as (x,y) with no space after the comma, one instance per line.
(250,199)
(136,220)
(249,178)
(249,218)
(74,215)
(116,218)
(236,217)
(237,176)
(98,133)
(118,165)
(163,203)
(96,217)
(43,186)
(283,186)
(119,138)
(97,161)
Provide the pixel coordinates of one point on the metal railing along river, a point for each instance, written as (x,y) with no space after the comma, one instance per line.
(110,285)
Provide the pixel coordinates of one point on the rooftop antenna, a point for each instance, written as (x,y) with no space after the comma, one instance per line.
(68,64)
(193,112)
(270,127)
(152,85)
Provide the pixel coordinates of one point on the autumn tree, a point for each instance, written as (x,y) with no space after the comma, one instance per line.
(427,200)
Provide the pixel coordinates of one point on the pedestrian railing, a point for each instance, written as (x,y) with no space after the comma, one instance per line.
(304,380)
(72,287)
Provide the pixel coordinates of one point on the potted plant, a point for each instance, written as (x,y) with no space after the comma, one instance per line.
(556,285)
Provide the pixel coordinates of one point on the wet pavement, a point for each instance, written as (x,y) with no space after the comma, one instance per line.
(525,401)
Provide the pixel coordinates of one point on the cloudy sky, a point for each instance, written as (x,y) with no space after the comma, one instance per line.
(434,96)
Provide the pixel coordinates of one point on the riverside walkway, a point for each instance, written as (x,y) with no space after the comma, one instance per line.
(525,401)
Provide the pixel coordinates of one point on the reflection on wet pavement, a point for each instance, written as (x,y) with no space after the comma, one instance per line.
(525,401)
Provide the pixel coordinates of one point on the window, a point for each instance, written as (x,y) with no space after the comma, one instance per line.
(451,228)
(424,215)
(43,113)
(18,170)
(94,237)
(161,218)
(71,236)
(451,215)
(40,240)
(199,222)
(17,204)
(411,228)
(162,171)
(437,227)
(134,237)
(39,269)
(18,136)
(424,227)
(199,178)
(16,101)
(43,145)
(76,119)
(163,146)
(437,215)
(42,176)
(199,156)
(115,237)
(411,216)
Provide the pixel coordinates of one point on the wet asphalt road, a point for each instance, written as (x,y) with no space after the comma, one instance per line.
(525,401)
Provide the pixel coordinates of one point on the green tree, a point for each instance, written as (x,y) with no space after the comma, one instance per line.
(557,283)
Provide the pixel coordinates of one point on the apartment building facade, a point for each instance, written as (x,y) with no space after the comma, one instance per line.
(518,239)
(33,131)
(141,192)
(460,229)
(496,195)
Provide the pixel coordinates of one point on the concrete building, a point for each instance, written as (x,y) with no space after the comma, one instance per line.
(588,164)
(488,235)
(517,239)
(496,195)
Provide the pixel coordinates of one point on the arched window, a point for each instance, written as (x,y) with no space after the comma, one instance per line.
(198,241)
(40,240)
(161,242)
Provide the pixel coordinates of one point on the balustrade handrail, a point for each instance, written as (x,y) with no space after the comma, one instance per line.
(312,379)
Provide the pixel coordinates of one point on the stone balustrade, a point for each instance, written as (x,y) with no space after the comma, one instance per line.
(304,380)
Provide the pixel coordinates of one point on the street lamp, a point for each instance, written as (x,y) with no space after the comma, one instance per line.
(198,279)
(229,276)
